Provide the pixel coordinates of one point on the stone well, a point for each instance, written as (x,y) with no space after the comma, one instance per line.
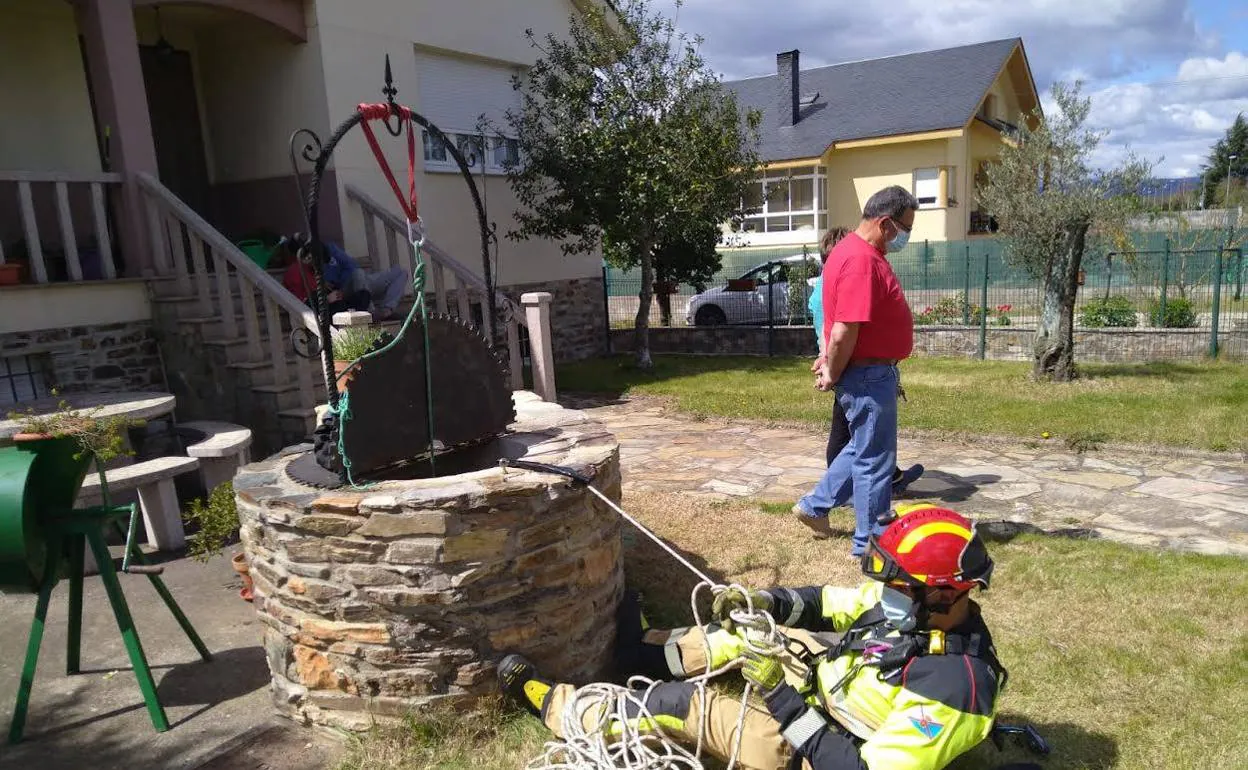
(378,600)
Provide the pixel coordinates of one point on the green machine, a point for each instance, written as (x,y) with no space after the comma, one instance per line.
(43,539)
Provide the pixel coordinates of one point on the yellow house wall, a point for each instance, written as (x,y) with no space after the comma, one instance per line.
(855,175)
(43,90)
(984,143)
(355,37)
(62,305)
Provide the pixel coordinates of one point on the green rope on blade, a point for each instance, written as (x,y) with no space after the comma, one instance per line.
(343,409)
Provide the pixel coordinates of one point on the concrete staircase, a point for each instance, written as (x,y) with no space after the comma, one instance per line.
(225,325)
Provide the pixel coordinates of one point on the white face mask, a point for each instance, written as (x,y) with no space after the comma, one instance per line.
(899,609)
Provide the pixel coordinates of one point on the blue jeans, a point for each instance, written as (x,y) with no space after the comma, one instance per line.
(863,471)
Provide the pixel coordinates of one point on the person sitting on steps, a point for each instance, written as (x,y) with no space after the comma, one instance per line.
(908,680)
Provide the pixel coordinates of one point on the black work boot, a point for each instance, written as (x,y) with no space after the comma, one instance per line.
(518,678)
(632,655)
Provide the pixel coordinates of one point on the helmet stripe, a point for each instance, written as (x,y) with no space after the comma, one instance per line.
(924,531)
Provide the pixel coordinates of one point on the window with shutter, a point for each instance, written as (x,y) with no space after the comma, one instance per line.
(927,187)
(468,100)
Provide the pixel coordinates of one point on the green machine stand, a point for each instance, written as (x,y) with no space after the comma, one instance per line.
(43,538)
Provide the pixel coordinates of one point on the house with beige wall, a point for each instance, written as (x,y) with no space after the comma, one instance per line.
(832,136)
(144,137)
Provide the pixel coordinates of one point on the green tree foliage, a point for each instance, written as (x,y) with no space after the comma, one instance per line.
(1053,206)
(628,142)
(1235,142)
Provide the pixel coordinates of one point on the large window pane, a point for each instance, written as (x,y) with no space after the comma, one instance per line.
(777,197)
(472,147)
(778,224)
(435,149)
(803,192)
(752,201)
(803,221)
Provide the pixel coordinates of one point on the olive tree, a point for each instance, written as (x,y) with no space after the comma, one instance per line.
(629,143)
(1053,205)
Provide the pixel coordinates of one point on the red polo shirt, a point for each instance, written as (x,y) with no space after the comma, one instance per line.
(859,286)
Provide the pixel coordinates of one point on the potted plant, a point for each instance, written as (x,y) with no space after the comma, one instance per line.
(52,457)
(217,520)
(10,274)
(353,343)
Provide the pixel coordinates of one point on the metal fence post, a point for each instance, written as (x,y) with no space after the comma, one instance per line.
(1165,277)
(925,257)
(771,306)
(606,305)
(966,291)
(983,313)
(1217,291)
(1239,273)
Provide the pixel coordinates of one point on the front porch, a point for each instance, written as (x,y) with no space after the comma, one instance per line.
(202,96)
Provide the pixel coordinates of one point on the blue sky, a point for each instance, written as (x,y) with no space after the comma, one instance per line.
(1166,77)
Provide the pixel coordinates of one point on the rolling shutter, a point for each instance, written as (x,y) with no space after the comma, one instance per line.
(454,93)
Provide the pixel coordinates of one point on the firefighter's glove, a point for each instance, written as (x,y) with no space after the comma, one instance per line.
(762,671)
(733,599)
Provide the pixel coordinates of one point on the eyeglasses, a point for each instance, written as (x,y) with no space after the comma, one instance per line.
(900,226)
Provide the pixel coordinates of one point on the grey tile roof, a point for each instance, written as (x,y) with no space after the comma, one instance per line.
(926,91)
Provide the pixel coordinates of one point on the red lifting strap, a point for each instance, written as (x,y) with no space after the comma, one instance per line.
(381,112)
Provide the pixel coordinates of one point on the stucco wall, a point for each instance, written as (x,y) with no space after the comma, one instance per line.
(855,175)
(356,38)
(43,90)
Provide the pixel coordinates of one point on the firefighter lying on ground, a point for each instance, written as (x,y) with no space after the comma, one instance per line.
(909,681)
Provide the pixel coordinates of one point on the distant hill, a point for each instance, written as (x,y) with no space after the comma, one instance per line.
(1166,187)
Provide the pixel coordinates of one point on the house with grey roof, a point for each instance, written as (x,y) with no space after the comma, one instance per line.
(832,136)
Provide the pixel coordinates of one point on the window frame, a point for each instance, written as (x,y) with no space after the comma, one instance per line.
(37,370)
(449,166)
(951,187)
(817,174)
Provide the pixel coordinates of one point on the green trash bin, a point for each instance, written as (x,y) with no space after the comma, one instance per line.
(259,251)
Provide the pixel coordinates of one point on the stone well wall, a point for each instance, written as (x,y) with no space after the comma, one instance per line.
(376,601)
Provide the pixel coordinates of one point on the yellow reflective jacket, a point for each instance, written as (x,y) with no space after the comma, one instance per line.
(919,716)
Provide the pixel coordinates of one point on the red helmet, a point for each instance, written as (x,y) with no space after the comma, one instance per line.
(929,546)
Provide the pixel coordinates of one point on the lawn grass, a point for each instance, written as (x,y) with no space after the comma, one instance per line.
(1122,658)
(1197,405)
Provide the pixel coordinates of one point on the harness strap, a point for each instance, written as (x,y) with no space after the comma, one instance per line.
(372,112)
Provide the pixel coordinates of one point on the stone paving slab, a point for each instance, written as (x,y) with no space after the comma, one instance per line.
(1194,504)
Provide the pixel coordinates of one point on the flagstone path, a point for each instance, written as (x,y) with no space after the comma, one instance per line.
(1197,503)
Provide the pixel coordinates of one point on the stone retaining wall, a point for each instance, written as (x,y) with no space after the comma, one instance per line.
(578,315)
(1001,343)
(102,358)
(377,601)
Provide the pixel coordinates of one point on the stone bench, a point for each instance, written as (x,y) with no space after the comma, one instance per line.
(220,447)
(158,499)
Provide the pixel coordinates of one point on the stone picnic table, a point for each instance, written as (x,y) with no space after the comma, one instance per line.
(141,405)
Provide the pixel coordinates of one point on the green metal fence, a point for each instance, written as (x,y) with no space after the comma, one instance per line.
(1184,285)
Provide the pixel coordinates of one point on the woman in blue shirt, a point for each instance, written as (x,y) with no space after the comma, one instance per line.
(838,436)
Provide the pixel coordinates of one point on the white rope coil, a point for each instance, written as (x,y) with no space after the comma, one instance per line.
(616,741)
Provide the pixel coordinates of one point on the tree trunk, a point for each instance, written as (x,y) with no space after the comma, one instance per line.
(641,332)
(1055,342)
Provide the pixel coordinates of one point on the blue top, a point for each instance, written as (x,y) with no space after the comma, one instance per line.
(339,265)
(815,305)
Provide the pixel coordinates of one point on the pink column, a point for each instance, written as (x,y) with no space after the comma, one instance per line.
(121,103)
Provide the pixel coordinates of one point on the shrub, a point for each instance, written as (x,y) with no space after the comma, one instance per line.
(1179,314)
(948,312)
(355,341)
(1111,311)
(217,520)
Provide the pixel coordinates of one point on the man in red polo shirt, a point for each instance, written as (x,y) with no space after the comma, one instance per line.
(867,330)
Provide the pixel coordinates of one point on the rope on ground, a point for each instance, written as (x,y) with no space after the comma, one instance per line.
(639,743)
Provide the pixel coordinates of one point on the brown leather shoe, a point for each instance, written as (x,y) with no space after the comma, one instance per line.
(818,525)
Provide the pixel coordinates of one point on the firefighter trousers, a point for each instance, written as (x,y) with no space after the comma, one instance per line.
(679,708)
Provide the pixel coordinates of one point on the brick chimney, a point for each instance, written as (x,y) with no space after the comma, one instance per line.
(787,86)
